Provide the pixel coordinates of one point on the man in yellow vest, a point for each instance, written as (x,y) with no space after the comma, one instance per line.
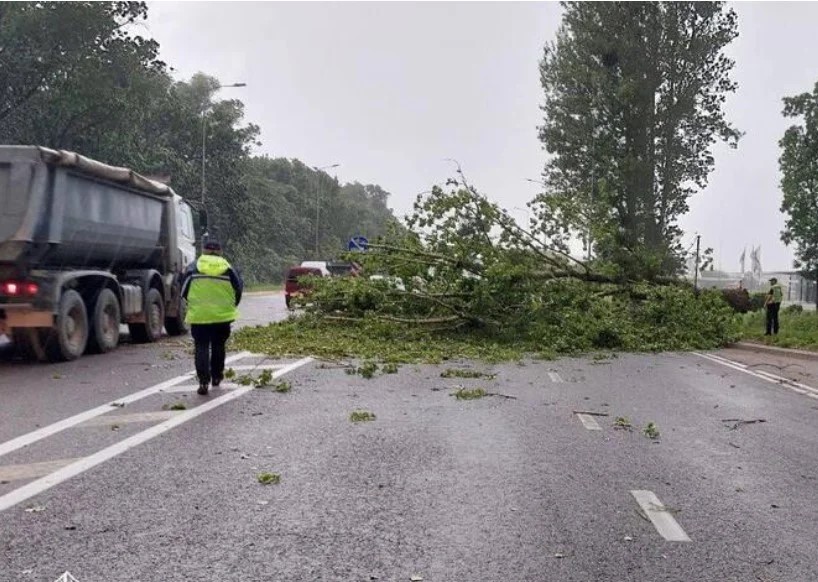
(213,292)
(773,304)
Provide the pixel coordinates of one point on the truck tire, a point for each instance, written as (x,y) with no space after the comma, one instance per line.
(69,337)
(176,325)
(151,330)
(105,323)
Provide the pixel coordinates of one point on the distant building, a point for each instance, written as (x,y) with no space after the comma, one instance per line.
(796,288)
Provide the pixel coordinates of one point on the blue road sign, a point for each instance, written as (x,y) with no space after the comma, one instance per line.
(358,243)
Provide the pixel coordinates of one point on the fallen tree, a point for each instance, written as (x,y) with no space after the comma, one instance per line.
(463,271)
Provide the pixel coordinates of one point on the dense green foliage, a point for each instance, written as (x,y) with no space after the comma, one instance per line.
(669,318)
(634,95)
(474,284)
(799,181)
(73,76)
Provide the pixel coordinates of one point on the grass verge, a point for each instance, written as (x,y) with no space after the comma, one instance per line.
(798,329)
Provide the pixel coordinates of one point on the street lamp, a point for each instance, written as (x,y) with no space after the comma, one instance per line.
(204,148)
(318,201)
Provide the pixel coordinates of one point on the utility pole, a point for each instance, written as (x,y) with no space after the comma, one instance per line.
(696,273)
(318,203)
(317,211)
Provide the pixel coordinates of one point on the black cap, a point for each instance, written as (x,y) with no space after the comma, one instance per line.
(212,244)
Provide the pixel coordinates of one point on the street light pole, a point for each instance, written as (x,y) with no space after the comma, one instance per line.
(318,202)
(696,273)
(204,154)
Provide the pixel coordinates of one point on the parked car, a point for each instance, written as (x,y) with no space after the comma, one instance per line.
(294,286)
(320,265)
(343,268)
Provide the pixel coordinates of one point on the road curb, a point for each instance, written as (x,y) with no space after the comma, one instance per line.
(792,353)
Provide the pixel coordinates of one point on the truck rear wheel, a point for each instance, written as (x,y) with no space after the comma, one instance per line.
(151,330)
(69,337)
(105,323)
(176,325)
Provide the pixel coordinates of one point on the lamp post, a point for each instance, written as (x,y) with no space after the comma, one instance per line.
(318,202)
(204,152)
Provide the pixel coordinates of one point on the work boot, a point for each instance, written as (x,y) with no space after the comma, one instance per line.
(202,388)
(216,382)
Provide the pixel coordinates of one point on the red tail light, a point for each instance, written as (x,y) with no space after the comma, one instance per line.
(18,288)
(10,288)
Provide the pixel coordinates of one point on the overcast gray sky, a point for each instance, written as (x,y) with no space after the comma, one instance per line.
(390,90)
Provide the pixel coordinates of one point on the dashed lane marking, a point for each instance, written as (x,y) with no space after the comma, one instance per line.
(588,421)
(660,516)
(52,429)
(555,377)
(29,490)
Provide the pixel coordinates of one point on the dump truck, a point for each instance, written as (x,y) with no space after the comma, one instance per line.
(85,248)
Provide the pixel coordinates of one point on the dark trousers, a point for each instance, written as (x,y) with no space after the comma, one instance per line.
(209,339)
(772,318)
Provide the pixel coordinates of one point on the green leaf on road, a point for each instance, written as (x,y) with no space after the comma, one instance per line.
(361,416)
(269,478)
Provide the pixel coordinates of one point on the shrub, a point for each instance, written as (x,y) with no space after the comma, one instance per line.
(757,301)
(738,299)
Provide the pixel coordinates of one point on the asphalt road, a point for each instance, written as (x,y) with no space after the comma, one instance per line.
(514,486)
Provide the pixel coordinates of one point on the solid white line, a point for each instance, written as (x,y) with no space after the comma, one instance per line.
(32,470)
(588,421)
(52,429)
(259,367)
(36,487)
(555,377)
(726,362)
(798,387)
(118,419)
(188,388)
(660,517)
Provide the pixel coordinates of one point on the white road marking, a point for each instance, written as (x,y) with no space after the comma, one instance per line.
(118,419)
(764,375)
(43,484)
(32,470)
(259,367)
(659,515)
(187,388)
(555,377)
(588,421)
(52,429)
